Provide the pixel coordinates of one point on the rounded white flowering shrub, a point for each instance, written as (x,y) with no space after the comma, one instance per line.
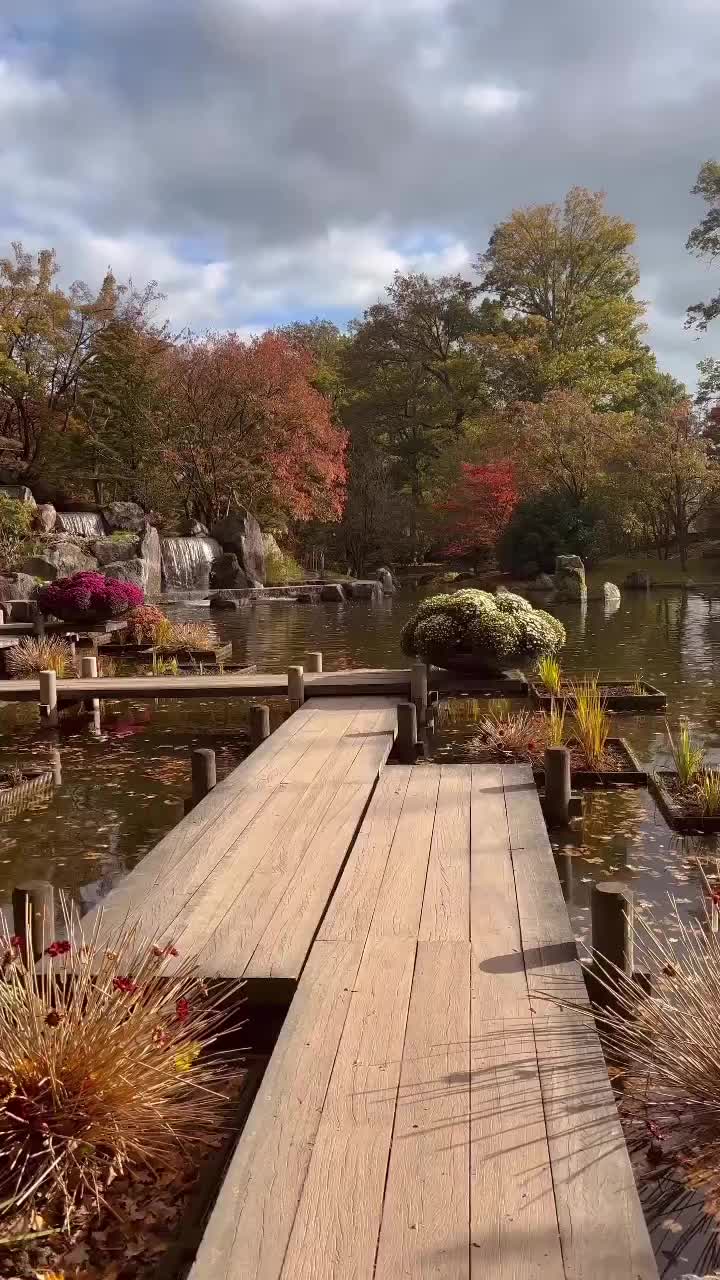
(479,631)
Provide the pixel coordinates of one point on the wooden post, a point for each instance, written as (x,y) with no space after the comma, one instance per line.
(259,724)
(88,671)
(557,786)
(2,617)
(407,732)
(48,696)
(33,905)
(419,690)
(611,910)
(313,662)
(204,773)
(296,687)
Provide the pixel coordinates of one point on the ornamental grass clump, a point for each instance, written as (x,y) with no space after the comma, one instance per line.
(550,674)
(474,629)
(89,597)
(688,758)
(32,655)
(710,793)
(111,1057)
(592,723)
(184,635)
(142,623)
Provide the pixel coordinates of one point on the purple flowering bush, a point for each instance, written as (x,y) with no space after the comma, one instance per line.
(89,597)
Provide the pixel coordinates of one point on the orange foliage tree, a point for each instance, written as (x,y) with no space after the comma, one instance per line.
(246,426)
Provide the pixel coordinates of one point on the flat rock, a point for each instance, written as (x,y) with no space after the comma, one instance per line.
(638,582)
(59,562)
(18,493)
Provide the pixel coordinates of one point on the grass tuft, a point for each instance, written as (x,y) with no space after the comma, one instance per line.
(592,723)
(550,673)
(687,757)
(33,655)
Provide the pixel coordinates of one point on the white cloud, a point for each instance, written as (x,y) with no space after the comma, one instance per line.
(487,99)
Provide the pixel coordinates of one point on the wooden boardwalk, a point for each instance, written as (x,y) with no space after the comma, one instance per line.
(425,1113)
(244,880)
(364,682)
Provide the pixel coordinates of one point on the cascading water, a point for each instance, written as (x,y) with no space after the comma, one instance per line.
(84,524)
(186,561)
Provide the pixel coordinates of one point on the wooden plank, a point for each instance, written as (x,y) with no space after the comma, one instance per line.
(446,906)
(513,1218)
(248,1231)
(354,900)
(400,899)
(337,1223)
(425,1223)
(602,1227)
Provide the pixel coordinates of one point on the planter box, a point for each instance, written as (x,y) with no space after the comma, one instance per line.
(673,812)
(217,654)
(36,781)
(651,699)
(630,776)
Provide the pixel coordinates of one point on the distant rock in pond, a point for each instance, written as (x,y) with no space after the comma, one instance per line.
(224,600)
(611,594)
(543,582)
(364,590)
(240,532)
(387,582)
(638,582)
(333,593)
(569,579)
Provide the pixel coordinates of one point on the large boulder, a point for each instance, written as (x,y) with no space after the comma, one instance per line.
(224,600)
(152,560)
(638,582)
(611,595)
(17,586)
(132,571)
(225,572)
(45,518)
(18,492)
(59,562)
(240,532)
(387,582)
(364,590)
(111,550)
(127,516)
(570,579)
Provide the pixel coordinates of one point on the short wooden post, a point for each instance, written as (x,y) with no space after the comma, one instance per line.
(611,911)
(296,687)
(48,696)
(2,617)
(419,690)
(407,738)
(56,766)
(557,786)
(33,905)
(89,671)
(259,724)
(204,773)
(313,662)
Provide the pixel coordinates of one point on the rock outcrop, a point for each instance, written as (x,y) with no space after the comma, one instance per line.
(133,571)
(111,550)
(240,532)
(59,562)
(17,586)
(45,517)
(570,579)
(225,572)
(152,560)
(611,594)
(125,516)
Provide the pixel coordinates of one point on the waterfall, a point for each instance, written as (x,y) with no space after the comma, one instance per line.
(84,524)
(186,561)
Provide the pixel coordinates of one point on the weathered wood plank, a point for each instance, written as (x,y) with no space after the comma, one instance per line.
(425,1222)
(338,1219)
(602,1228)
(249,1229)
(513,1218)
(400,900)
(446,906)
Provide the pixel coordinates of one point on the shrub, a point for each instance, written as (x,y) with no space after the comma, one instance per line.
(547,526)
(32,655)
(118,1068)
(16,520)
(143,622)
(89,597)
(487,631)
(184,635)
(282,569)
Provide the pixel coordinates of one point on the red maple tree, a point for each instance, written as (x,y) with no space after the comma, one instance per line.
(479,507)
(246,425)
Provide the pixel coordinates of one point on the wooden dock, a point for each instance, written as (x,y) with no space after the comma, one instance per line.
(363,682)
(424,1112)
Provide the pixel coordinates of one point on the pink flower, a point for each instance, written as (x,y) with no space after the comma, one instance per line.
(126,985)
(16,941)
(182,1009)
(58,949)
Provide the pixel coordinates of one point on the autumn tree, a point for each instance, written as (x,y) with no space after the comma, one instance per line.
(245,426)
(477,510)
(565,445)
(566,274)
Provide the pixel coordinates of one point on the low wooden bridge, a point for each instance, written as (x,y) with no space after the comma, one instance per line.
(425,1111)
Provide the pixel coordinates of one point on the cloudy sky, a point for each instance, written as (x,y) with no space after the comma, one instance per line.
(272,159)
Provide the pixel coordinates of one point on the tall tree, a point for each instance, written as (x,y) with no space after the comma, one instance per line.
(566,445)
(567,274)
(704,239)
(478,508)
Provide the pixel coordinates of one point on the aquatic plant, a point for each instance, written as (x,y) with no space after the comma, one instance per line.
(184,635)
(555,734)
(550,673)
(142,623)
(508,732)
(687,757)
(471,627)
(33,654)
(89,597)
(592,723)
(164,666)
(120,1067)
(710,792)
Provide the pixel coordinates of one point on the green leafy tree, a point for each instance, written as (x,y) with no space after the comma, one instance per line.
(704,239)
(566,274)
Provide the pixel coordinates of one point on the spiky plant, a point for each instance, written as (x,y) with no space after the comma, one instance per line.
(507,732)
(555,734)
(687,757)
(592,724)
(550,673)
(33,654)
(111,1056)
(184,635)
(709,787)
